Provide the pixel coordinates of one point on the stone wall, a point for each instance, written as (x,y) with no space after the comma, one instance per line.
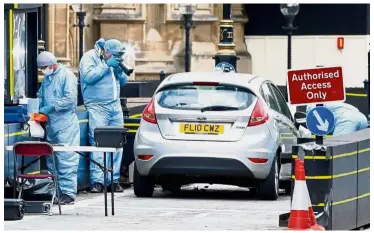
(153,35)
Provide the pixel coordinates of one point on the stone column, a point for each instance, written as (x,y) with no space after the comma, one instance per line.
(90,33)
(58,32)
(244,64)
(154,56)
(203,37)
(73,39)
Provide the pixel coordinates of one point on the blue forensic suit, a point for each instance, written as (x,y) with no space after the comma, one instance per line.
(348,119)
(59,90)
(100,86)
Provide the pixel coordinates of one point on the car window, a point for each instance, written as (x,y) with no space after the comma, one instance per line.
(196,97)
(282,103)
(269,97)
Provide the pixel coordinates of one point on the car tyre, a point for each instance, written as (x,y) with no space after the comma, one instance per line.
(269,188)
(143,185)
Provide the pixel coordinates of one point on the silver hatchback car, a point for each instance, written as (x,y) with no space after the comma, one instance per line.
(213,127)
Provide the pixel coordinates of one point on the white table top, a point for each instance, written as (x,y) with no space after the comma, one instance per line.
(58,148)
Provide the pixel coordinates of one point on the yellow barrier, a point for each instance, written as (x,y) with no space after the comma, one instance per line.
(335,176)
(15,134)
(355,94)
(136,115)
(319,157)
(18,133)
(345,200)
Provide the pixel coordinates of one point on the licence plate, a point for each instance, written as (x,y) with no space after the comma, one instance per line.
(201,129)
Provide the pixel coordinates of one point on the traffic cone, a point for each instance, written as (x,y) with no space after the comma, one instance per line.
(312,219)
(299,215)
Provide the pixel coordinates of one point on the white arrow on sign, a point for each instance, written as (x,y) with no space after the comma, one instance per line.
(323,126)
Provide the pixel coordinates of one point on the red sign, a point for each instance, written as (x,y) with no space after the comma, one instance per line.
(318,85)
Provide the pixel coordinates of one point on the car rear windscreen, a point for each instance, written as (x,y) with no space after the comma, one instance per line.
(196,97)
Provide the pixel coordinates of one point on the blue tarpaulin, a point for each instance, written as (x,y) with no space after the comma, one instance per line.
(15,114)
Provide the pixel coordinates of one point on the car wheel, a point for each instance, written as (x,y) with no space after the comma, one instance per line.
(143,185)
(269,188)
(174,188)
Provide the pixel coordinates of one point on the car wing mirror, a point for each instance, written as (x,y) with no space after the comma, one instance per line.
(300,119)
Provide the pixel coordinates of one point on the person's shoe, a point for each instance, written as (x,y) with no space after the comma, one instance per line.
(66,200)
(96,188)
(125,183)
(117,188)
(55,201)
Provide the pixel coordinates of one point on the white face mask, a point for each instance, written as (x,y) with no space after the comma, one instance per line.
(47,71)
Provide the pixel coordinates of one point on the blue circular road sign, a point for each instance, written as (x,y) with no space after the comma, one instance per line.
(320,121)
(224,66)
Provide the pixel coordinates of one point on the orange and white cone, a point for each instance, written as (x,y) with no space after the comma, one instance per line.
(312,218)
(299,215)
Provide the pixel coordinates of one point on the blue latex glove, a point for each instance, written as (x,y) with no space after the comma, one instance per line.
(120,75)
(46,110)
(113,61)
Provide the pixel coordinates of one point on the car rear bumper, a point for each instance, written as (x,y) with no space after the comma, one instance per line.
(194,166)
(203,157)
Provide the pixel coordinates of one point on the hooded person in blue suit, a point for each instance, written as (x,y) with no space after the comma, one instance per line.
(101,78)
(58,100)
(348,119)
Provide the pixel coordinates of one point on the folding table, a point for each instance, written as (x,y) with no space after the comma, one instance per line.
(79,150)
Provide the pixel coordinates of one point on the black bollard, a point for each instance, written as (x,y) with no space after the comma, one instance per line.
(124,171)
(125,109)
(162,76)
(226,46)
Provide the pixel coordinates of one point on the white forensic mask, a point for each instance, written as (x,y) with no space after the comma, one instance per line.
(47,71)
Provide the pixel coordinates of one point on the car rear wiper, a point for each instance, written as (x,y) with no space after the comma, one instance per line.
(218,108)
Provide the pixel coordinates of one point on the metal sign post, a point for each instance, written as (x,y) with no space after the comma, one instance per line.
(319,139)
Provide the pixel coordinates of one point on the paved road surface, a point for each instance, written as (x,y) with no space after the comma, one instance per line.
(197,207)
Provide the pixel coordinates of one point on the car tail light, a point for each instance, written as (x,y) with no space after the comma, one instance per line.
(145,157)
(259,115)
(149,114)
(206,83)
(258,160)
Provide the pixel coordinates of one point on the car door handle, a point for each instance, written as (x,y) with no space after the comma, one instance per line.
(277,118)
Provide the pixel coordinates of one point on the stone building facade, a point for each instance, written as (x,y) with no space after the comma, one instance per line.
(152,33)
